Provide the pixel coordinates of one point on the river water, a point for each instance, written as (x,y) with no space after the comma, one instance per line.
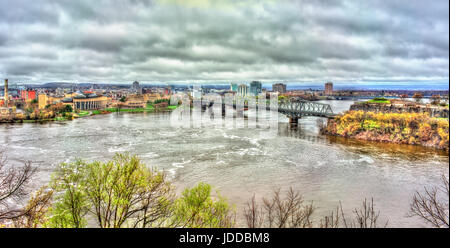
(240,162)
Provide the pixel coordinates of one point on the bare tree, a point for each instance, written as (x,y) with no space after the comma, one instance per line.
(290,211)
(13,187)
(364,217)
(282,212)
(332,220)
(253,214)
(432,204)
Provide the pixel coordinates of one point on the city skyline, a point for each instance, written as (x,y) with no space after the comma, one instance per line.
(225,41)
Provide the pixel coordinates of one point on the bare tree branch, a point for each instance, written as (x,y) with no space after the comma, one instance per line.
(432,205)
(14,184)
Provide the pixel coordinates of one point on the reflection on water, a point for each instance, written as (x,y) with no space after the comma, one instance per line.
(241,161)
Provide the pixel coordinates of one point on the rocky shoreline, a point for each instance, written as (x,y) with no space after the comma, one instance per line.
(400,128)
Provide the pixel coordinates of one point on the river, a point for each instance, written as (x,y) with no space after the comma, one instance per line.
(240,162)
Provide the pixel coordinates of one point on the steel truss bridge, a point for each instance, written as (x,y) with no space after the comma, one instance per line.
(294,108)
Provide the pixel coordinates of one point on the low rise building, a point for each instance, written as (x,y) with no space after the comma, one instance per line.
(135,101)
(78,101)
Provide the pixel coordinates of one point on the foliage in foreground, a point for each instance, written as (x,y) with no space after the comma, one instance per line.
(402,128)
(122,192)
(196,208)
(290,211)
(432,205)
(14,186)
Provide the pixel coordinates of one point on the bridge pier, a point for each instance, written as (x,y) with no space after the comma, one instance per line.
(293,120)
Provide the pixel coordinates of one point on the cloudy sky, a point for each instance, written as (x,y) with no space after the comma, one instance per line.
(170,41)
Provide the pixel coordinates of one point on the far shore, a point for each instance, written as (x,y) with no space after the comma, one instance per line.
(87,113)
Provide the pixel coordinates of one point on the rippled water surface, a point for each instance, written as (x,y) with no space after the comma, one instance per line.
(241,162)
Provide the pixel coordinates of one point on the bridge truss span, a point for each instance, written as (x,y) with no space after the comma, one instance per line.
(295,109)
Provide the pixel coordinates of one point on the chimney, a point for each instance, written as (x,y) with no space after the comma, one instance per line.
(6,93)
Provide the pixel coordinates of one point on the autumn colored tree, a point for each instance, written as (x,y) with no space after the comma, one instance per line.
(403,128)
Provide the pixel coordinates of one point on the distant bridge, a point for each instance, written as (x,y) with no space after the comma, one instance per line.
(294,108)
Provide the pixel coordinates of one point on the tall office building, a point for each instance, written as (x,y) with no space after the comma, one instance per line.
(280,88)
(329,89)
(234,87)
(255,88)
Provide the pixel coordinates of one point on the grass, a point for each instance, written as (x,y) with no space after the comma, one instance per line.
(135,110)
(84,113)
(60,119)
(148,108)
(379,100)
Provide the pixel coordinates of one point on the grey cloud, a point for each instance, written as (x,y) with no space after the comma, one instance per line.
(123,40)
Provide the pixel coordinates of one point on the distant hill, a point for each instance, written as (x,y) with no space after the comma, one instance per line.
(63,85)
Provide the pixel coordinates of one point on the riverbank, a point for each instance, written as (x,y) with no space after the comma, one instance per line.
(82,114)
(399,128)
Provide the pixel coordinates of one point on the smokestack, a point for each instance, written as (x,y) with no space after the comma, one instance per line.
(6,93)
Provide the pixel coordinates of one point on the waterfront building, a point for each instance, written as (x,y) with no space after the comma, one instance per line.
(329,89)
(28,95)
(255,88)
(78,101)
(242,90)
(88,101)
(135,101)
(280,88)
(42,101)
(152,96)
(234,87)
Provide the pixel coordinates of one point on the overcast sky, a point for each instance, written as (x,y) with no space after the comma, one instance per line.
(171,41)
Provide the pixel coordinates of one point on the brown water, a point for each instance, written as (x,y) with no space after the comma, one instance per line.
(241,162)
